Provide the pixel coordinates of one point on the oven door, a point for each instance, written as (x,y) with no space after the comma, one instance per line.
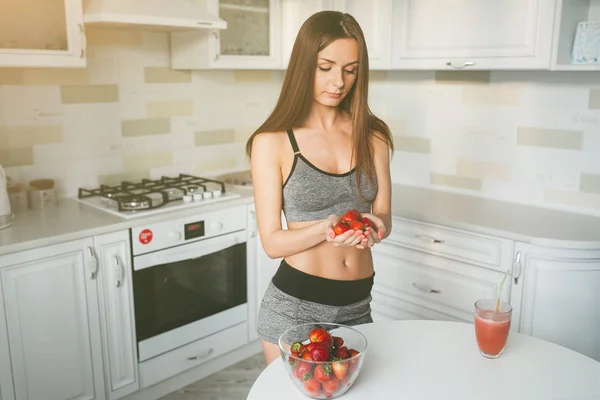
(187,292)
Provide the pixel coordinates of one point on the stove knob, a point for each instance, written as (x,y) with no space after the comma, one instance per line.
(216,226)
(175,235)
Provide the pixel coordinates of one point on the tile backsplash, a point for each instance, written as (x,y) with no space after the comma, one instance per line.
(526,137)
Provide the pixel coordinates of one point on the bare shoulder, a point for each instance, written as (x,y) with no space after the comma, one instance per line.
(268,143)
(381,147)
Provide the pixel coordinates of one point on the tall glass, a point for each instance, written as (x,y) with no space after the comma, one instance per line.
(491,327)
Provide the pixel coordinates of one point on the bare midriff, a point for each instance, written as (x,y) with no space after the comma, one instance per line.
(331,262)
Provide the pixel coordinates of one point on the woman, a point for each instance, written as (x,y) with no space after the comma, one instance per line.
(306,159)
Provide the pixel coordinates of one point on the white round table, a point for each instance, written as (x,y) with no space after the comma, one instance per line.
(440,360)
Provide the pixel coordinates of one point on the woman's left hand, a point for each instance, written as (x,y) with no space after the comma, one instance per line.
(372,235)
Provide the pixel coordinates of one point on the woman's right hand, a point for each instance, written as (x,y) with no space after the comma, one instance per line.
(347,239)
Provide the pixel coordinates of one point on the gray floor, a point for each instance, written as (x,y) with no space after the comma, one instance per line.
(232,383)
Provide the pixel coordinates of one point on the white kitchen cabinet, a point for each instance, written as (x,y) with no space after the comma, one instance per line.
(410,284)
(42,33)
(115,293)
(252,39)
(7,391)
(375,20)
(560,296)
(261,270)
(472,34)
(52,322)
(569,13)
(374,17)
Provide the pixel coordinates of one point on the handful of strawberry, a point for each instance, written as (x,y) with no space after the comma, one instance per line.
(352,220)
(332,367)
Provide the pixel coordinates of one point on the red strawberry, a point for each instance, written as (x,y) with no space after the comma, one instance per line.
(351,215)
(320,335)
(368,223)
(342,352)
(340,228)
(331,386)
(357,226)
(296,347)
(323,372)
(302,368)
(340,368)
(338,341)
(311,385)
(320,352)
(307,356)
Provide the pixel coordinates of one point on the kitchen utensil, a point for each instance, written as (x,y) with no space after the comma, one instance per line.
(6,214)
(17,194)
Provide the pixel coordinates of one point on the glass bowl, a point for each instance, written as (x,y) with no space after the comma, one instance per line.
(321,366)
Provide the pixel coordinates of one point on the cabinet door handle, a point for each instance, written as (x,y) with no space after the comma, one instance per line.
(93,264)
(83,40)
(430,238)
(516,269)
(460,65)
(425,288)
(217,45)
(201,356)
(120,271)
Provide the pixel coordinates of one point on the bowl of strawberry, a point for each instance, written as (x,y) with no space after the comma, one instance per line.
(323,359)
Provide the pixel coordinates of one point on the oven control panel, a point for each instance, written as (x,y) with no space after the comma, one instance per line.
(162,235)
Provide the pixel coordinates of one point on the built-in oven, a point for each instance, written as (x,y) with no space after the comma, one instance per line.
(189,279)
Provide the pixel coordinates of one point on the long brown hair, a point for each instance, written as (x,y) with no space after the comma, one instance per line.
(296,97)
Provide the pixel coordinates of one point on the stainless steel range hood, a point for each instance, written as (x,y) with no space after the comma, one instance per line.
(170,15)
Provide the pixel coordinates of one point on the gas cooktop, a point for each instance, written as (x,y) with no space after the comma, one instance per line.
(150,196)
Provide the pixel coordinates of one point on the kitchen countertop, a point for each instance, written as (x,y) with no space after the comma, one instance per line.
(524,223)
(72,220)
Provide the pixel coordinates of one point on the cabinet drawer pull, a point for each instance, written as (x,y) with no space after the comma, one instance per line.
(425,288)
(460,65)
(429,238)
(201,356)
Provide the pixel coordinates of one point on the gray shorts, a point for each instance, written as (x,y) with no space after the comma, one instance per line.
(280,311)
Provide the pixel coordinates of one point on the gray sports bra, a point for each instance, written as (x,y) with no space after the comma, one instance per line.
(310,193)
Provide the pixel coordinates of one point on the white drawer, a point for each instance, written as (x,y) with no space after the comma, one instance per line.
(453,243)
(192,355)
(434,283)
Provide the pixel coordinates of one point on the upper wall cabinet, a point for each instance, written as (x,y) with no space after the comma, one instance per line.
(251,40)
(570,14)
(472,34)
(373,16)
(42,33)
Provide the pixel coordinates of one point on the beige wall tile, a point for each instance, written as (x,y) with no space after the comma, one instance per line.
(462,77)
(455,181)
(143,162)
(377,76)
(56,76)
(397,126)
(590,183)
(243,133)
(410,76)
(210,138)
(177,108)
(144,127)
(483,170)
(595,99)
(251,76)
(226,163)
(89,94)
(22,136)
(553,138)
(412,144)
(478,95)
(16,157)
(572,198)
(117,179)
(166,75)
(11,76)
